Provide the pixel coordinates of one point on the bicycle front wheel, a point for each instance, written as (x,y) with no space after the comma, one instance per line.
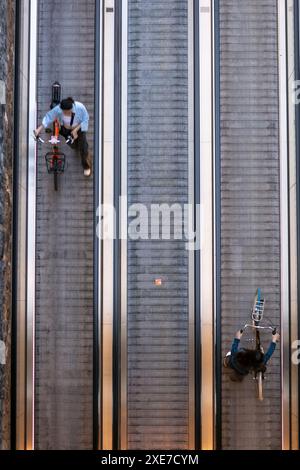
(259,384)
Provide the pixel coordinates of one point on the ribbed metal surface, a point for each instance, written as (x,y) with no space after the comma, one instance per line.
(158,392)
(64,250)
(250,224)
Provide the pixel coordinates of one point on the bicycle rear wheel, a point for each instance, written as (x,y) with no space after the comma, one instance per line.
(55,181)
(259,375)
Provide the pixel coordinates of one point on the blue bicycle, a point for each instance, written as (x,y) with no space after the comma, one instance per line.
(257,317)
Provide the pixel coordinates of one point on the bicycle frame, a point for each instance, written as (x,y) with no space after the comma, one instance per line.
(257,316)
(55,160)
(258,369)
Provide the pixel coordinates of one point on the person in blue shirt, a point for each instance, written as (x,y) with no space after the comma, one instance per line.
(74,120)
(242,361)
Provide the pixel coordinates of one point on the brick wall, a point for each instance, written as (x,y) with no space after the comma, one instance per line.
(6,152)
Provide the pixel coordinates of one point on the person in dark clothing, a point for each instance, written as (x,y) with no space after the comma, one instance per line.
(242,361)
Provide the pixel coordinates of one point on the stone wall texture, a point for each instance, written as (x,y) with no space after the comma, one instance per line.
(7,15)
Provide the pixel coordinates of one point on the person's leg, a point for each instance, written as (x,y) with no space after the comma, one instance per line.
(64,132)
(84,150)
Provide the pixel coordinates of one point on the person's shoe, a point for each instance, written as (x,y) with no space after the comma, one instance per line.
(87,172)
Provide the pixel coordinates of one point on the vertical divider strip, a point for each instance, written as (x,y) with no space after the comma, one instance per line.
(123,229)
(117,241)
(197,253)
(191,156)
(108,221)
(31,229)
(296,296)
(98,146)
(217,228)
(206,225)
(284,223)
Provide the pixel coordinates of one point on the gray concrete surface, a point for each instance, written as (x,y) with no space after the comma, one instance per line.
(250,218)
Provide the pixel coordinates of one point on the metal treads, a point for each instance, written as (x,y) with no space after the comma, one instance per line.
(250,209)
(158,322)
(64,241)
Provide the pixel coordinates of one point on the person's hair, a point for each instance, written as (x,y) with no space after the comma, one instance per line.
(250,359)
(67,103)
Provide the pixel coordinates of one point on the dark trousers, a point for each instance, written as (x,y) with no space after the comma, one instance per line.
(81,144)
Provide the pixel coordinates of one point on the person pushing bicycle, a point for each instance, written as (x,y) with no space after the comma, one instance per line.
(74,120)
(242,361)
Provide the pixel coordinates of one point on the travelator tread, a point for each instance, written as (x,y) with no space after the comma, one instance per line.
(64,240)
(250,229)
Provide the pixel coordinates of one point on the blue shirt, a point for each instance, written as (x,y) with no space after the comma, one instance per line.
(234,349)
(81,116)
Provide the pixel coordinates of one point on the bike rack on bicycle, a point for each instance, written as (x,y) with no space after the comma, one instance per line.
(258,313)
(55,162)
(258,310)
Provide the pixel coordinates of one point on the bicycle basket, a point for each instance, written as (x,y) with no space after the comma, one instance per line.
(55,162)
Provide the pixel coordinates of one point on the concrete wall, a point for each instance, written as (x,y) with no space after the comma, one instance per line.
(6,154)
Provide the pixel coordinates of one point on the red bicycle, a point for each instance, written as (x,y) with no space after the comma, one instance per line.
(55,160)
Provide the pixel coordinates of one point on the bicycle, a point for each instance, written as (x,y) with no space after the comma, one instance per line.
(55,160)
(257,317)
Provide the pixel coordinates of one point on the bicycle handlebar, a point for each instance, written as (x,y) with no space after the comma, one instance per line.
(257,327)
(37,138)
(70,140)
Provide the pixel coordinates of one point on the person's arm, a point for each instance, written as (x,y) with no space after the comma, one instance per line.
(272,348)
(236,342)
(38,130)
(84,118)
(48,119)
(85,123)
(75,131)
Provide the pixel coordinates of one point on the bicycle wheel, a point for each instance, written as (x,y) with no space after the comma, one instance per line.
(55,181)
(259,384)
